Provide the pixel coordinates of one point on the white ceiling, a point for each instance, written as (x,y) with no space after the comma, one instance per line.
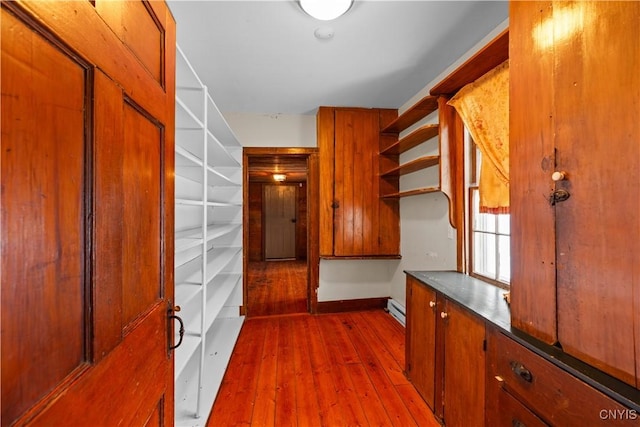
(262,56)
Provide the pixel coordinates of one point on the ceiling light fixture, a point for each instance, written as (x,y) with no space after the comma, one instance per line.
(279,177)
(325,10)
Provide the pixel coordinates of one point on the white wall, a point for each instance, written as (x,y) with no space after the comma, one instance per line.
(427,240)
(273,130)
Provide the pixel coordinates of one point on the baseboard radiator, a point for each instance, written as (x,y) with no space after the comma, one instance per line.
(397,310)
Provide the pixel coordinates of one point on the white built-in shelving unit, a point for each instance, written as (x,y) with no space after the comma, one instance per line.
(208,245)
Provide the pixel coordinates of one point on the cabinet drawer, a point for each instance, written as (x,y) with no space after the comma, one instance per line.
(512,413)
(555,395)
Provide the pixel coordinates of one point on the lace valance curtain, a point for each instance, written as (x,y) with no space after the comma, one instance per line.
(484,108)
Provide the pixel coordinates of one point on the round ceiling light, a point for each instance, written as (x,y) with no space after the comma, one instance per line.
(325,10)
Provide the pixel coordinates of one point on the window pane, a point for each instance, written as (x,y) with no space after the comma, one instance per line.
(481,222)
(504,257)
(484,254)
(504,224)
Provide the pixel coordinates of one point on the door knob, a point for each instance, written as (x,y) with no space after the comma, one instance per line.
(432,304)
(559,176)
(444,314)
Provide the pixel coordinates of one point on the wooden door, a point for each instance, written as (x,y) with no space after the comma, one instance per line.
(464,367)
(421,340)
(584,267)
(280,221)
(598,227)
(87,214)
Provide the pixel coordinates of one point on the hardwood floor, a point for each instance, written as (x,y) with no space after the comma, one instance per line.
(276,287)
(327,370)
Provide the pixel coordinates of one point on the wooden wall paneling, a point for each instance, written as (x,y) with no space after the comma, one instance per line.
(255,237)
(313,242)
(597,229)
(532,161)
(326,152)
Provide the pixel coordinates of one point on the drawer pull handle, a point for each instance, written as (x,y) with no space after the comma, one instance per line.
(521,371)
(517,423)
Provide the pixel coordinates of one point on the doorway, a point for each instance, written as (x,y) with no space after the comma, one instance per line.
(280,228)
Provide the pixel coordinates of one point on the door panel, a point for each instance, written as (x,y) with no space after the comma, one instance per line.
(43,216)
(141,169)
(87,218)
(280,226)
(597,228)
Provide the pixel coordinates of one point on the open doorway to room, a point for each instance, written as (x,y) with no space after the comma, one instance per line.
(280,219)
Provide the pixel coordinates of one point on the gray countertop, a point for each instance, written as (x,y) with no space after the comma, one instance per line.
(487,301)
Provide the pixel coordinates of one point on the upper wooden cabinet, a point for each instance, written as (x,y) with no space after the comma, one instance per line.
(574,91)
(354,220)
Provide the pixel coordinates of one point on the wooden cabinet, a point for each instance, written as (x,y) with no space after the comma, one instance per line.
(420,361)
(464,366)
(525,389)
(574,90)
(445,355)
(354,220)
(208,245)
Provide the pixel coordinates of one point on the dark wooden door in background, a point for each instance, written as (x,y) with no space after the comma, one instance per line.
(87,148)
(280,221)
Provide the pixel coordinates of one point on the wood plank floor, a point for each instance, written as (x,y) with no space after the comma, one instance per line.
(276,287)
(326,370)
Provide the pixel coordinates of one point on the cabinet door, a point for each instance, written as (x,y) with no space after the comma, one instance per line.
(598,227)
(464,367)
(354,220)
(421,339)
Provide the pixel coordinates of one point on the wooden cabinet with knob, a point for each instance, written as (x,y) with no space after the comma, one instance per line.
(445,355)
(354,221)
(524,389)
(575,174)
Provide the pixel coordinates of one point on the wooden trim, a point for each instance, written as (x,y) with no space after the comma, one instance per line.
(326,150)
(313,181)
(486,59)
(414,192)
(342,257)
(351,305)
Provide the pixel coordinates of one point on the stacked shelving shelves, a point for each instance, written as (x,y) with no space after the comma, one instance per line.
(392,148)
(208,245)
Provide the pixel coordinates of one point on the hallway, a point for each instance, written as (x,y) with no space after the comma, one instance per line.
(277,287)
(328,370)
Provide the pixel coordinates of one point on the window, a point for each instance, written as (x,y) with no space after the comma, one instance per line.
(490,243)
(489,251)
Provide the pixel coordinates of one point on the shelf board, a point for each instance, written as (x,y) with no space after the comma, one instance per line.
(183,354)
(414,192)
(414,165)
(415,138)
(220,343)
(485,60)
(421,109)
